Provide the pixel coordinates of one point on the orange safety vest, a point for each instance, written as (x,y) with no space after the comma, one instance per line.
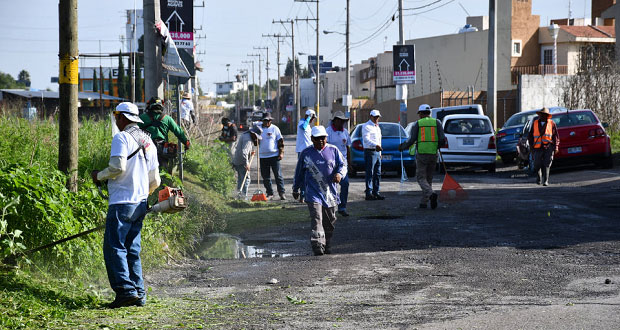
(546,138)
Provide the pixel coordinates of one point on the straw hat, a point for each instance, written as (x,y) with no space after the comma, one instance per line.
(544,111)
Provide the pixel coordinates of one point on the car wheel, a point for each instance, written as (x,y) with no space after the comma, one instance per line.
(491,168)
(507,159)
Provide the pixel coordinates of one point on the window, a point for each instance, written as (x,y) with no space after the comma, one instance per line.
(548,57)
(87,85)
(468,126)
(516,48)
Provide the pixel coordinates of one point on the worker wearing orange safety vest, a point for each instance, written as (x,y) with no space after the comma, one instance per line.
(426,138)
(544,142)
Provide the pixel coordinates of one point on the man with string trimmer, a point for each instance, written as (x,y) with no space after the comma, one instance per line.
(319,169)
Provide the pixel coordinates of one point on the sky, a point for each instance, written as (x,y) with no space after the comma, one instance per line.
(29,38)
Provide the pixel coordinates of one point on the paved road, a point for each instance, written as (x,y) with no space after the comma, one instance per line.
(515,255)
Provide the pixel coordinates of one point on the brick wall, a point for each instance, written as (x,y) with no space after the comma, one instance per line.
(525,28)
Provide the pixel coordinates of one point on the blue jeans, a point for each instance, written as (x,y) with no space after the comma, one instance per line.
(372,160)
(241,171)
(121,248)
(344,193)
(267,165)
(302,189)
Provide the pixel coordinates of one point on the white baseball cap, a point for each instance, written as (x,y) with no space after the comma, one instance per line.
(424,107)
(130,111)
(375,113)
(310,112)
(318,131)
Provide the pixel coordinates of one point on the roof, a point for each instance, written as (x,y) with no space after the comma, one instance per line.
(590,31)
(55,95)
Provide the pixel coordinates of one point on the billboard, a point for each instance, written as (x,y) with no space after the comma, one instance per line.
(178,15)
(403,57)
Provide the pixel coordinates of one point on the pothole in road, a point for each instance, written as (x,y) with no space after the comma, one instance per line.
(225,246)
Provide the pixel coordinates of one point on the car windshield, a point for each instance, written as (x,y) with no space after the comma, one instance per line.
(574,119)
(519,119)
(467,126)
(465,111)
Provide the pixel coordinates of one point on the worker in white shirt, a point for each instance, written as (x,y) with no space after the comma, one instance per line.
(338,136)
(303,141)
(187,110)
(371,139)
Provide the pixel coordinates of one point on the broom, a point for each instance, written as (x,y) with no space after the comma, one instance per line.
(451,191)
(258,196)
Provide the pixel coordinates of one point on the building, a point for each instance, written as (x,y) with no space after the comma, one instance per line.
(133,32)
(230,87)
(110,87)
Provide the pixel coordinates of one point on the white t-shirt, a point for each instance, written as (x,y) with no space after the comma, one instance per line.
(269,143)
(186,107)
(341,139)
(303,136)
(371,135)
(131,186)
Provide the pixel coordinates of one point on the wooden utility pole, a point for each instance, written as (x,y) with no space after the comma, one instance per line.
(68,91)
(294,84)
(153,86)
(278,36)
(492,64)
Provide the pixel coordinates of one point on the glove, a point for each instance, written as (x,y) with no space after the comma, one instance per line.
(295,195)
(187,145)
(93,175)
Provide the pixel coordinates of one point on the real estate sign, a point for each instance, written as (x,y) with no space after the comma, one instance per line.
(404,64)
(178,15)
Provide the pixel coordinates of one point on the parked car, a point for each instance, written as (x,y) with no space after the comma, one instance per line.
(508,136)
(392,134)
(440,113)
(583,140)
(469,141)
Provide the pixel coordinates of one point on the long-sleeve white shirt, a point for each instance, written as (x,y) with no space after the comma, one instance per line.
(371,135)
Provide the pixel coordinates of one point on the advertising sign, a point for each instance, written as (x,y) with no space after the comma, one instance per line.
(178,15)
(404,64)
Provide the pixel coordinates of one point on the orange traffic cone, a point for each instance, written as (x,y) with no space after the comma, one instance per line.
(451,191)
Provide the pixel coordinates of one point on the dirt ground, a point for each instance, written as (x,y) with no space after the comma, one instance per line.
(515,255)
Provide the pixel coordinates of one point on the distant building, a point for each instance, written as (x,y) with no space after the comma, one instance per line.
(87,80)
(130,43)
(230,87)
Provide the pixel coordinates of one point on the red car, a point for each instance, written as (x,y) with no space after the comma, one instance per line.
(582,140)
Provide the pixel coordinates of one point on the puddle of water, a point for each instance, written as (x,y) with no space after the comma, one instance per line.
(224,246)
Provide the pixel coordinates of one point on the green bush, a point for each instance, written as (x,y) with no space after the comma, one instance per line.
(212,167)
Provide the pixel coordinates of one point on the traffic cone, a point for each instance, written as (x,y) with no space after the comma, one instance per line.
(451,191)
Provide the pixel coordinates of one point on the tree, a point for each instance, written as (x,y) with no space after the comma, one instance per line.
(7,81)
(288,72)
(95,82)
(24,78)
(120,80)
(110,84)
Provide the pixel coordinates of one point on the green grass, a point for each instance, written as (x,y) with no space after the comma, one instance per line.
(615,142)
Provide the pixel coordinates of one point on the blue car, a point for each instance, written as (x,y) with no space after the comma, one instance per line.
(390,156)
(508,136)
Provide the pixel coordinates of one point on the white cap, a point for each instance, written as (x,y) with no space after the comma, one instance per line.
(424,107)
(319,131)
(310,112)
(375,113)
(130,111)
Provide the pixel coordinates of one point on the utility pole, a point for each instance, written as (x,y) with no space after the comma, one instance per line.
(152,51)
(294,83)
(492,63)
(268,96)
(317,71)
(260,88)
(253,84)
(68,91)
(349,98)
(278,36)
(401,89)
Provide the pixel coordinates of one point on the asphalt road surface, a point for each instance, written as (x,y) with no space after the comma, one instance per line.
(514,255)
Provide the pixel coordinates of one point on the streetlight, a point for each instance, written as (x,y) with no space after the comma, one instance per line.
(347,99)
(554,29)
(227,71)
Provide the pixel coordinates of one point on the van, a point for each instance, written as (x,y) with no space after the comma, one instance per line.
(469,109)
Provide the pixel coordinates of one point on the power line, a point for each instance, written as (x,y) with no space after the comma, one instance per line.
(429,10)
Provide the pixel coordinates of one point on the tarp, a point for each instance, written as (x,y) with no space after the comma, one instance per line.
(171,62)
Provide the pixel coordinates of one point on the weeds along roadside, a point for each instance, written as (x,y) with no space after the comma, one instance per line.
(36,208)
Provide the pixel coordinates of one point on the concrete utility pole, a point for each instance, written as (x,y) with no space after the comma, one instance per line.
(317,71)
(68,91)
(294,83)
(253,85)
(278,36)
(268,96)
(349,98)
(401,89)
(260,88)
(492,63)
(153,86)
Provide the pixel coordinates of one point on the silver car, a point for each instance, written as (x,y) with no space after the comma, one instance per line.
(469,141)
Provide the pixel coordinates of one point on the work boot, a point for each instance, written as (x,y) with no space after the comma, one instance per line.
(434,201)
(318,248)
(328,249)
(378,197)
(123,301)
(282,197)
(370,197)
(545,176)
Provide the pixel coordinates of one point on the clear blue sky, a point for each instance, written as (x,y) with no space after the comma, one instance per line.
(29,38)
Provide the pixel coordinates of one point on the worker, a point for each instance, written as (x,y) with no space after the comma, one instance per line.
(187,110)
(338,135)
(544,142)
(229,135)
(427,136)
(132,175)
(320,168)
(242,156)
(158,125)
(371,139)
(270,152)
(304,128)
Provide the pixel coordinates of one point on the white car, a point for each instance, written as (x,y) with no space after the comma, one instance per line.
(470,140)
(440,113)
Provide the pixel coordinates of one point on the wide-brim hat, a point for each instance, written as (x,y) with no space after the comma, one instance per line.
(340,115)
(130,111)
(186,95)
(267,117)
(544,111)
(256,130)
